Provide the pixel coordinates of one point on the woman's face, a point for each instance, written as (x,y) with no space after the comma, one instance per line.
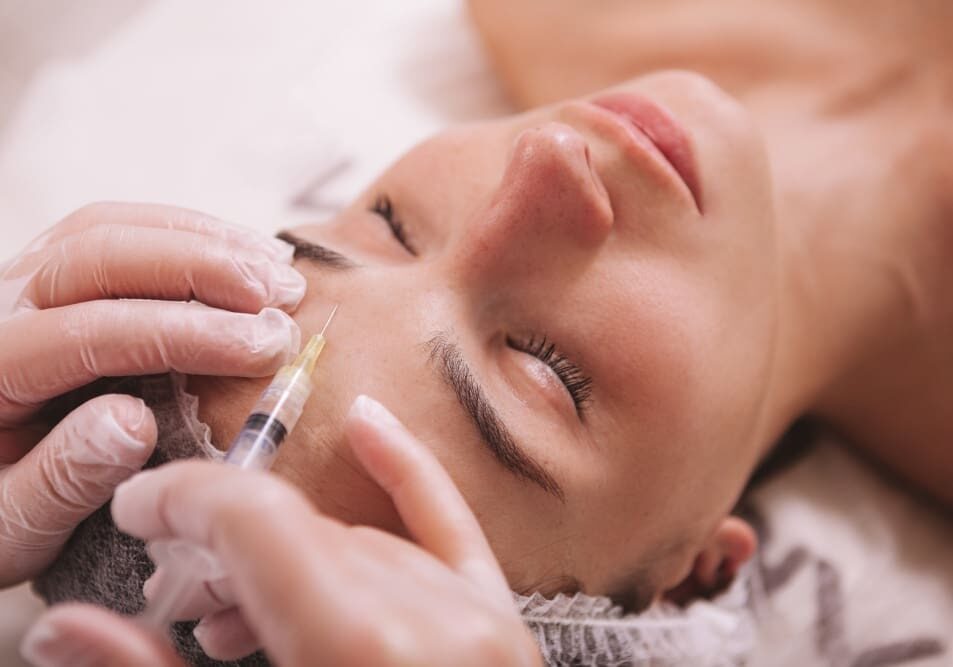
(580,331)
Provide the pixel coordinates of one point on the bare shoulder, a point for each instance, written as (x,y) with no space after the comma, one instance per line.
(545,51)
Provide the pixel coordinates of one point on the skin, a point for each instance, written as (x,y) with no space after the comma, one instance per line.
(853,100)
(539,224)
(811,282)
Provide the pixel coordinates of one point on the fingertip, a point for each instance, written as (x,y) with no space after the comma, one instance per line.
(365,408)
(150,585)
(116,429)
(281,250)
(286,290)
(133,433)
(259,281)
(41,645)
(374,434)
(225,635)
(127,499)
(257,345)
(382,444)
(277,337)
(76,634)
(136,419)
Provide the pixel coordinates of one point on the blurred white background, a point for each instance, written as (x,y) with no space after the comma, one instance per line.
(33,34)
(239,109)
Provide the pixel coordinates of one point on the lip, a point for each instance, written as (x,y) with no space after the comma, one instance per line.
(650,128)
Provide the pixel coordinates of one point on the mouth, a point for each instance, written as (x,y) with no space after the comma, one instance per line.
(648,128)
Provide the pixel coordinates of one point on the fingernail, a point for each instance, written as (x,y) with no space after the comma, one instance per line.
(279,284)
(39,645)
(366,408)
(275,332)
(117,435)
(200,631)
(286,287)
(149,586)
(129,429)
(135,425)
(45,646)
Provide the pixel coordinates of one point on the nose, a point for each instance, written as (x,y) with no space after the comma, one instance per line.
(549,207)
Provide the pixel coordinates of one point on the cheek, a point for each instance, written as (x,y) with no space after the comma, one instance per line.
(658,332)
(654,437)
(332,479)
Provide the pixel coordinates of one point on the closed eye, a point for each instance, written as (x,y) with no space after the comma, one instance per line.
(577,383)
(384,208)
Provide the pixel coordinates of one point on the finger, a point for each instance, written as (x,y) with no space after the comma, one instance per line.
(54,351)
(226,635)
(194,501)
(66,477)
(122,261)
(265,534)
(210,598)
(428,501)
(77,635)
(167,217)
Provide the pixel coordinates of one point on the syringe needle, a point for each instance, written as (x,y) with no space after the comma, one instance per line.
(330,317)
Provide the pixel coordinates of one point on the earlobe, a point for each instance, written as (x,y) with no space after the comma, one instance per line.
(731,545)
(736,542)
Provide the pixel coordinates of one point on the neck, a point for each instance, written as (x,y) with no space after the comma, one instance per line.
(854,202)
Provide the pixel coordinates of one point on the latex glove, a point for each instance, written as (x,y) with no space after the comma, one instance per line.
(309,589)
(66,319)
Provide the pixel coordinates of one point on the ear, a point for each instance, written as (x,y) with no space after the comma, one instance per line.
(728,548)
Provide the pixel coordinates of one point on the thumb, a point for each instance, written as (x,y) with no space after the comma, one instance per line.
(66,477)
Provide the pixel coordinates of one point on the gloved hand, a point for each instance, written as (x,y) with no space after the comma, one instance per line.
(309,589)
(101,294)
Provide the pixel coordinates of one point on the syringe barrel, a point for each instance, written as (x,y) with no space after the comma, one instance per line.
(274,415)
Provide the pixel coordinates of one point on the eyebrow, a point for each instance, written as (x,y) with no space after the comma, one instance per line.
(456,373)
(316,253)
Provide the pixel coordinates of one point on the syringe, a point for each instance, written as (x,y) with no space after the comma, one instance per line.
(185,565)
(278,409)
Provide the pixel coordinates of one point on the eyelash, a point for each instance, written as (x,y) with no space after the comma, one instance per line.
(576,382)
(385,209)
